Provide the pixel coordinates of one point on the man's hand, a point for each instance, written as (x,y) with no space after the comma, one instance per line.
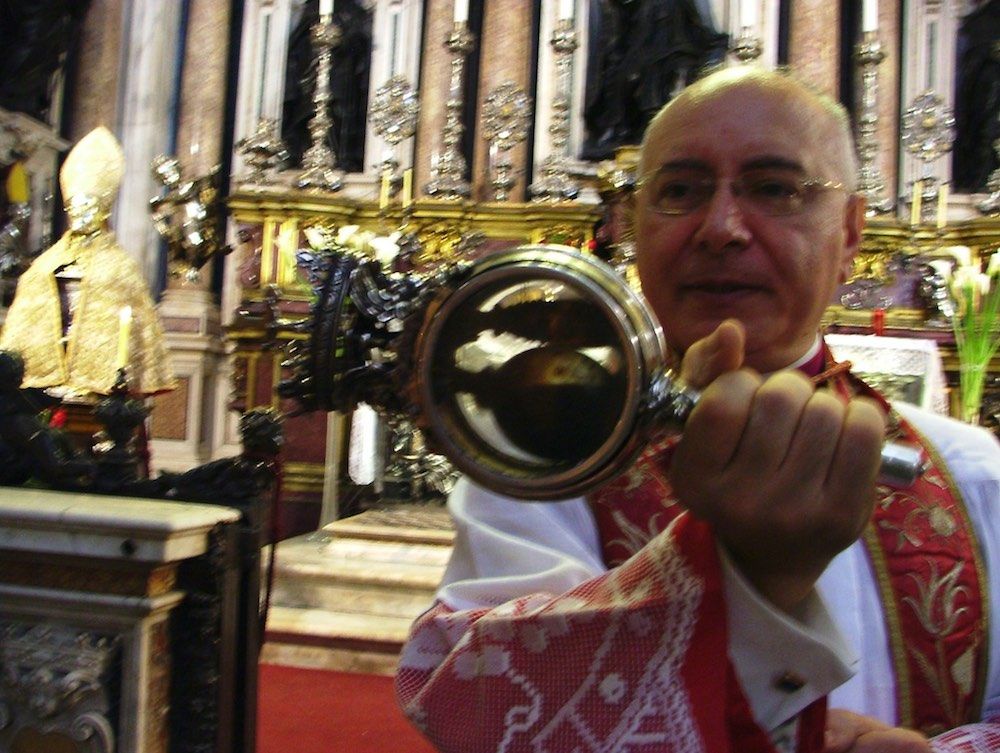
(847,732)
(784,474)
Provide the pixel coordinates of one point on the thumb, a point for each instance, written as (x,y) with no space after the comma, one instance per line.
(714,355)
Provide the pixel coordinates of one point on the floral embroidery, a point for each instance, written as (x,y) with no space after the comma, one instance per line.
(938,614)
(925,520)
(635,538)
(927,563)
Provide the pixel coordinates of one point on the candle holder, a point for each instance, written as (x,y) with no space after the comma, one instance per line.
(262,151)
(555,183)
(506,114)
(319,161)
(448,176)
(928,131)
(393,112)
(117,461)
(747,46)
(871,185)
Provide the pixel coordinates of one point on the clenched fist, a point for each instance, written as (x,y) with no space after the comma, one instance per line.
(784,473)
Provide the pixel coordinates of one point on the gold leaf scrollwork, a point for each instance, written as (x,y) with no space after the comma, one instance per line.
(875,267)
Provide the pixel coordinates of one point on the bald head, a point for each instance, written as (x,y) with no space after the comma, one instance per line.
(819,115)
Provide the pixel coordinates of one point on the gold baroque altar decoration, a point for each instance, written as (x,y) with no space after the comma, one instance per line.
(444,229)
(894,286)
(892,252)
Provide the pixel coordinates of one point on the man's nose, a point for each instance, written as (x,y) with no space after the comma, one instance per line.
(723,225)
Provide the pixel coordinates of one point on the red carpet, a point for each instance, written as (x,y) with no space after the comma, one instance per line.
(318,711)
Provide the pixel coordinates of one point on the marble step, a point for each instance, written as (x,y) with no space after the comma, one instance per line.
(356,585)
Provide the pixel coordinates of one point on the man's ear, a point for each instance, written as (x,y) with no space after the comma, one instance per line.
(854,223)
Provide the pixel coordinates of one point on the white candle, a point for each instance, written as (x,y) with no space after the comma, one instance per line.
(407,187)
(124,332)
(383,194)
(869,17)
(326,7)
(942,207)
(748,14)
(566,8)
(394,11)
(918,195)
(461,11)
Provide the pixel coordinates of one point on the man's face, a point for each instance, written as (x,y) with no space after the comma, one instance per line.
(87,214)
(724,259)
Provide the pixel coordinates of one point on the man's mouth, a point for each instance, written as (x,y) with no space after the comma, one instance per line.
(723,287)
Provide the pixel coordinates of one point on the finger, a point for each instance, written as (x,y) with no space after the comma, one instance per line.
(714,355)
(857,458)
(840,732)
(714,429)
(815,442)
(774,419)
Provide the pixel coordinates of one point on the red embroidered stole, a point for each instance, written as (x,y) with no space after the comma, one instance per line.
(932,582)
(926,561)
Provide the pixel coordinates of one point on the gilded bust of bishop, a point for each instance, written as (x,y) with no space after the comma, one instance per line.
(66,316)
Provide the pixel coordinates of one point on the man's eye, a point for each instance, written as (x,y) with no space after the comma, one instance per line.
(773,188)
(676,189)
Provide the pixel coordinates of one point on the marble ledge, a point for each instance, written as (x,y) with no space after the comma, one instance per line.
(57,604)
(122,528)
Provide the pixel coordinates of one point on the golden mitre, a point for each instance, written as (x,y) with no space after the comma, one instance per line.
(94,167)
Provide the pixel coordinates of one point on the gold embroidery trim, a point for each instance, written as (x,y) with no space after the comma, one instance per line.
(979,692)
(904,689)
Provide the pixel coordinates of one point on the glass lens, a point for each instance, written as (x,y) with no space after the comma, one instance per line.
(772,191)
(528,376)
(679,190)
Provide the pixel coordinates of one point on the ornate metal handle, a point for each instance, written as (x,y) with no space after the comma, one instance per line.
(537,371)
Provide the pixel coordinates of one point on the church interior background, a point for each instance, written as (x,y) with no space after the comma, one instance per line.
(421,133)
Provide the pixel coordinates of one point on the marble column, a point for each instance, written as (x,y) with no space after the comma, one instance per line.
(97,70)
(146,90)
(506,54)
(188,309)
(889,19)
(815,43)
(436,65)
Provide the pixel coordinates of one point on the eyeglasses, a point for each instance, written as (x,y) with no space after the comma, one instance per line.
(771,191)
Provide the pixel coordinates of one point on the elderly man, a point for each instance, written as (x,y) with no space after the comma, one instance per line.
(677,608)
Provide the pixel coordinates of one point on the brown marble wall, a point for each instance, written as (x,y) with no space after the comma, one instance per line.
(889,18)
(203,85)
(814,55)
(170,412)
(203,99)
(506,42)
(434,77)
(95,101)
(815,43)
